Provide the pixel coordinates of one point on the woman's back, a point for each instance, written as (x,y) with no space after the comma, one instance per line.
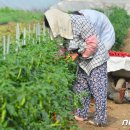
(102,25)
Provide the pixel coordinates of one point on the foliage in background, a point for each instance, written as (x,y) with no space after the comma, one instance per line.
(12,15)
(121,22)
(36,89)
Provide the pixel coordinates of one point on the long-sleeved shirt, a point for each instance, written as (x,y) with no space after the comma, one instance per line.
(83,29)
(102,25)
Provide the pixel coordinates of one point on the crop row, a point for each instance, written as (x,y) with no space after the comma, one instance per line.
(36,87)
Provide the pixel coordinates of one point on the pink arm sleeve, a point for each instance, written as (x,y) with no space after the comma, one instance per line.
(91,46)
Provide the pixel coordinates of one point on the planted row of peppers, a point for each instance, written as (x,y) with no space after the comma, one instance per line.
(36,89)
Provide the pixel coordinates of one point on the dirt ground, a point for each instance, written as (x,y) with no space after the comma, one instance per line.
(116,114)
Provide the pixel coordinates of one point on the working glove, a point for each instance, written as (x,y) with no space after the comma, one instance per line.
(73,56)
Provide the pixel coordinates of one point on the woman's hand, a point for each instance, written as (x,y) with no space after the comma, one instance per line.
(61,51)
(73,56)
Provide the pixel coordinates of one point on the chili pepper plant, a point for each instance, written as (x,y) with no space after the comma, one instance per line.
(35,86)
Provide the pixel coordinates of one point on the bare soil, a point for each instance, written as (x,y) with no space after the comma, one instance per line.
(116,114)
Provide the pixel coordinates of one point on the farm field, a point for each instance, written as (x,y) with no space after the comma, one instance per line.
(32,90)
(116,112)
(31,80)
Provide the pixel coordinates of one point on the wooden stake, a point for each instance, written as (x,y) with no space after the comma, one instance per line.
(4,47)
(8,44)
(24,36)
(29,32)
(17,37)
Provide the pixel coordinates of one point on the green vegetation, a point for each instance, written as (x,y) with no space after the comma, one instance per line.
(36,88)
(11,15)
(121,22)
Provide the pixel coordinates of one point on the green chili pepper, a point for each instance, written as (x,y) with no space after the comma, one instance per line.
(56,124)
(3,106)
(3,115)
(23,101)
(20,70)
(40,101)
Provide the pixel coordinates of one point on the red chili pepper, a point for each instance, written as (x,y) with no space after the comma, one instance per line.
(119,54)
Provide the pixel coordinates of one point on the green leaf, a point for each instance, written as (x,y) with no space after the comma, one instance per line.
(11,110)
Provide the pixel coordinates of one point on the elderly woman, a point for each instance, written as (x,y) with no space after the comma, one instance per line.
(92,66)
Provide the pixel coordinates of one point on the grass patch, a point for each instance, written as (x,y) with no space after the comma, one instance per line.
(121,22)
(10,15)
